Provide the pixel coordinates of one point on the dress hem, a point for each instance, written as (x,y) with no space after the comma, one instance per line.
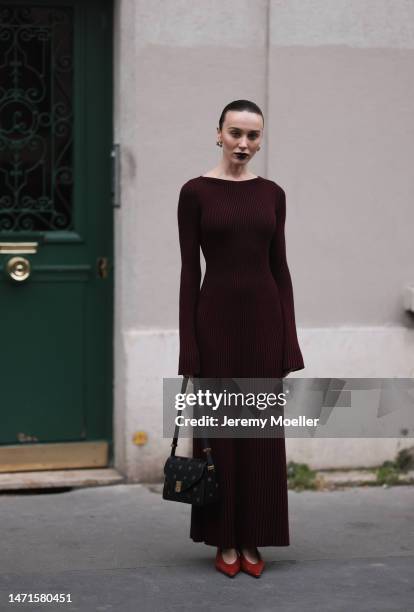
(245,545)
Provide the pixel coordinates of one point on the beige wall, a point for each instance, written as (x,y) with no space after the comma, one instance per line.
(333,80)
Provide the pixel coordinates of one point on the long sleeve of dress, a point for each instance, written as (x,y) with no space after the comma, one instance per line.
(292,356)
(189,235)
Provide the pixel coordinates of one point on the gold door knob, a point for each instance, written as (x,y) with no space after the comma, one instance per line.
(18,268)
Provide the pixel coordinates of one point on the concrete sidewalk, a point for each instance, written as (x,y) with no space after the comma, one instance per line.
(123,548)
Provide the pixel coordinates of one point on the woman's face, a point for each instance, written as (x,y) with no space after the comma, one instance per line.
(242,132)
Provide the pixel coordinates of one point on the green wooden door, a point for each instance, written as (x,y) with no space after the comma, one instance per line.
(56,221)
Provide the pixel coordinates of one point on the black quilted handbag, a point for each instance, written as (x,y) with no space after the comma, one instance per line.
(189,479)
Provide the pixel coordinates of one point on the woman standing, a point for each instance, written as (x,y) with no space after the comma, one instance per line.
(240,324)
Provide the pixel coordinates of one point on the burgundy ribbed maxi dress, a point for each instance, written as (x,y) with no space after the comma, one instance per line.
(241,323)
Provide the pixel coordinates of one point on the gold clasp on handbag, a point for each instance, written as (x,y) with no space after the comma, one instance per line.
(178,485)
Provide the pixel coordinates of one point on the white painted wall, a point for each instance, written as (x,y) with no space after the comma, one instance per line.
(333,80)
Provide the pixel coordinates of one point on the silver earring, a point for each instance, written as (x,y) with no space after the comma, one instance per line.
(219,144)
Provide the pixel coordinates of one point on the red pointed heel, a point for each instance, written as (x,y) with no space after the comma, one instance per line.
(230,569)
(254,569)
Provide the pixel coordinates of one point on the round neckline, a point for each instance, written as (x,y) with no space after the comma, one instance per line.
(215,178)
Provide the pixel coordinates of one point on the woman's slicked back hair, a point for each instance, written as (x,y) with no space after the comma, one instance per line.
(240,105)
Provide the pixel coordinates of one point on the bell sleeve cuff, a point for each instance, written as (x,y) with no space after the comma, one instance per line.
(292,356)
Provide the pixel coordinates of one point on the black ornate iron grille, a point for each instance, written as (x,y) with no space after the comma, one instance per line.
(36,118)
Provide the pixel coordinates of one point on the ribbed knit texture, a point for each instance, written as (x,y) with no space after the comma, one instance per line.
(241,323)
